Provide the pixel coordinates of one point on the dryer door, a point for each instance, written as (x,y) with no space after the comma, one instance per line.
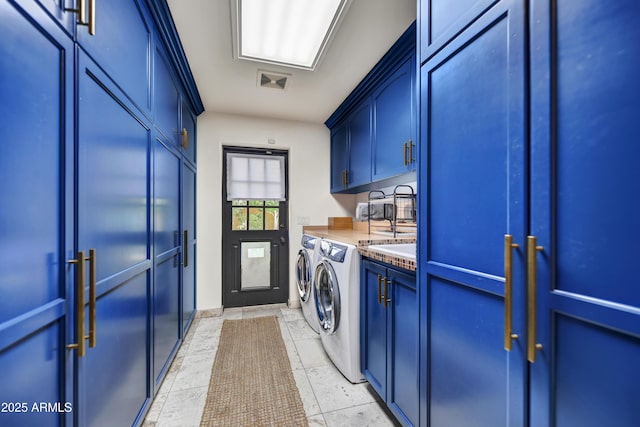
(303,275)
(327,293)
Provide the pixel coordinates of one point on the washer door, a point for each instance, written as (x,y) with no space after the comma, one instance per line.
(303,275)
(327,293)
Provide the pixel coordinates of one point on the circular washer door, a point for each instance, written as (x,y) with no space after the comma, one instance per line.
(303,275)
(327,293)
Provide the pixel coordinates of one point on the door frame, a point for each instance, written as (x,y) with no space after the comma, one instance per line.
(231,267)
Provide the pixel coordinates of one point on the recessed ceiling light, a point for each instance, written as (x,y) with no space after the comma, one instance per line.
(286,32)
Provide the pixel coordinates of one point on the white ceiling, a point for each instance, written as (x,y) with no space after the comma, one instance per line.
(229,85)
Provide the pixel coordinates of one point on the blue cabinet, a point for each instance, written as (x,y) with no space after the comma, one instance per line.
(351,149)
(529,317)
(359,171)
(121,45)
(96,289)
(339,157)
(113,217)
(167,257)
(374,129)
(389,334)
(394,137)
(36,226)
(188,245)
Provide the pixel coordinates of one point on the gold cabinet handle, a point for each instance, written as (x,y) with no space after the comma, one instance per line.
(82,10)
(92,17)
(532,250)
(92,298)
(386,299)
(79,344)
(411,159)
(185,138)
(185,249)
(379,289)
(405,153)
(508,292)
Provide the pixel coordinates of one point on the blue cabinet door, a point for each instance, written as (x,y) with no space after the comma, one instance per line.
(122,47)
(113,217)
(360,145)
(189,245)
(339,157)
(167,243)
(389,347)
(472,190)
(166,98)
(403,379)
(188,120)
(585,213)
(394,138)
(36,226)
(373,331)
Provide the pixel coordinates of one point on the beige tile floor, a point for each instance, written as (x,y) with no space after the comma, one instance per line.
(329,399)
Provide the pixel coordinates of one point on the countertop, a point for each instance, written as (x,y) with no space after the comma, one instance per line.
(361,239)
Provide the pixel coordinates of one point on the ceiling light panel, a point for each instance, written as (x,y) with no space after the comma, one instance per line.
(287,32)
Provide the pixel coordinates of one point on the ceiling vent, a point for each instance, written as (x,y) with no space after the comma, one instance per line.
(272,79)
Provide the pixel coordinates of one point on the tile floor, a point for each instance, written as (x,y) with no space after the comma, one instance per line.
(329,399)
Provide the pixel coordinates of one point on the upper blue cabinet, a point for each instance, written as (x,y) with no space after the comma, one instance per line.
(394,106)
(351,149)
(373,132)
(121,44)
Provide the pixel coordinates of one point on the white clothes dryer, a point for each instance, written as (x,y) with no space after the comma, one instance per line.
(305,266)
(337,292)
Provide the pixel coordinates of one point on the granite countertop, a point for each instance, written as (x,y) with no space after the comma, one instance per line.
(362,240)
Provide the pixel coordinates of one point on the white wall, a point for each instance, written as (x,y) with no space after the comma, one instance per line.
(309,196)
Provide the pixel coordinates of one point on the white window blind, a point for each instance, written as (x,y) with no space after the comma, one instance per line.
(255,177)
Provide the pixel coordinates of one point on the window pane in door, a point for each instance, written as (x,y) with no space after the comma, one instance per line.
(256,219)
(271,218)
(256,265)
(239,219)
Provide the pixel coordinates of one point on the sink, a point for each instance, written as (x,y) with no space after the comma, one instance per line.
(404,250)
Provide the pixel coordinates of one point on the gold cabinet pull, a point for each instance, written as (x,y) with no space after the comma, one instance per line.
(79,344)
(386,299)
(379,289)
(92,17)
(508,292)
(405,154)
(411,159)
(92,298)
(185,249)
(82,10)
(532,250)
(185,138)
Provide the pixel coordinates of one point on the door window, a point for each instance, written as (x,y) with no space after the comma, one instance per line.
(255,215)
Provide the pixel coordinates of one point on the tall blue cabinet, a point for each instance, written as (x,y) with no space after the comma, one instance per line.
(98,221)
(529,213)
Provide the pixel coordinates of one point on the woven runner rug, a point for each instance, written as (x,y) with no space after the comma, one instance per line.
(251,380)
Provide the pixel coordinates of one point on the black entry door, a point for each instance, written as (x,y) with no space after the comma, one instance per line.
(255,254)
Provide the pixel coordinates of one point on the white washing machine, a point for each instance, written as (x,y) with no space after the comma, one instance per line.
(305,266)
(336,286)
